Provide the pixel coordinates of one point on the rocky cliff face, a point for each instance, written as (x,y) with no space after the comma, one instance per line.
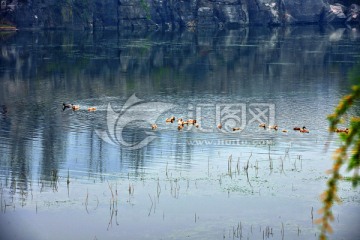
(172,14)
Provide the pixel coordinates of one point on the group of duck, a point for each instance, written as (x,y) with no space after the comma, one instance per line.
(276,127)
(181,123)
(303,129)
(76,107)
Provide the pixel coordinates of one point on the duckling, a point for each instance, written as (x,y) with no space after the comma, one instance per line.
(263,125)
(219,126)
(170,120)
(75,107)
(92,109)
(66,105)
(304,130)
(153,126)
(236,129)
(181,122)
(275,127)
(284,131)
(191,121)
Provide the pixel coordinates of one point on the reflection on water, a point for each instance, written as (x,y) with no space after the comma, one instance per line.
(183,183)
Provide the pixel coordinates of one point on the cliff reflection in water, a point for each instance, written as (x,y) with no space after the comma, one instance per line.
(40,70)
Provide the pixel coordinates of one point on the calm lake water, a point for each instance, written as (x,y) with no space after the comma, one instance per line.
(107,175)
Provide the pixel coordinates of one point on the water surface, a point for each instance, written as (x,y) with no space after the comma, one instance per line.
(60,180)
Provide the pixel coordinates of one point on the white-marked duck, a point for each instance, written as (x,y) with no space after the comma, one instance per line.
(275,127)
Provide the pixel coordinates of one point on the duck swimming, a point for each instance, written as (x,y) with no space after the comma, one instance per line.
(92,109)
(172,119)
(219,126)
(304,130)
(275,127)
(263,125)
(181,122)
(191,121)
(153,126)
(75,107)
(236,129)
(66,105)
